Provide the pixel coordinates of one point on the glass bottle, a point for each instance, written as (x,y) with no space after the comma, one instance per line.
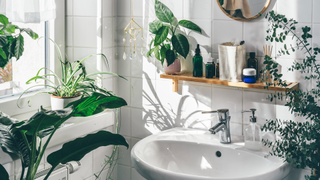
(197,64)
(253,63)
(210,67)
(217,69)
(252,135)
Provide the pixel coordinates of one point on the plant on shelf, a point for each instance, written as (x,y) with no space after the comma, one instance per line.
(26,138)
(11,42)
(169,41)
(299,142)
(74,80)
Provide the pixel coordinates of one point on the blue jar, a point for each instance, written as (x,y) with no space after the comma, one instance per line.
(249,75)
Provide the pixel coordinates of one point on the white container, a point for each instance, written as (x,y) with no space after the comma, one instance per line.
(232,61)
(252,135)
(58,103)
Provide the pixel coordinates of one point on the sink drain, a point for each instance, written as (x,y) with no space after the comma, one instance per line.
(218,154)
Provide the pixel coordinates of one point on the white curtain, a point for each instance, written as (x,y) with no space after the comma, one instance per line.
(28,11)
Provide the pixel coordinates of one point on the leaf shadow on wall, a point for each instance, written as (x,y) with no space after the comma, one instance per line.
(161,117)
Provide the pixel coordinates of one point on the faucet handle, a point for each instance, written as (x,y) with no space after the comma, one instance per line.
(251,110)
(207,112)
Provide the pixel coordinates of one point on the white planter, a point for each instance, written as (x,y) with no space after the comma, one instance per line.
(58,103)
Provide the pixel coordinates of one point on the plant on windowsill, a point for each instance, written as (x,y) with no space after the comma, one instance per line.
(73,82)
(299,142)
(169,41)
(11,42)
(25,138)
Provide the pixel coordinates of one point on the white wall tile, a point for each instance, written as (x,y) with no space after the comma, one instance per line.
(123,8)
(85,8)
(316,35)
(229,98)
(124,172)
(138,7)
(69,7)
(107,32)
(296,9)
(90,63)
(69,31)
(142,93)
(69,53)
(124,154)
(123,65)
(85,32)
(135,175)
(142,125)
(124,89)
(125,121)
(316,13)
(225,31)
(197,9)
(175,6)
(203,40)
(99,157)
(107,8)
(217,13)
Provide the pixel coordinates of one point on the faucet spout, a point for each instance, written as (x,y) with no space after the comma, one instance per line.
(218,127)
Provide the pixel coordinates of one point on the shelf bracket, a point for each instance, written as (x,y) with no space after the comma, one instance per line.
(175,85)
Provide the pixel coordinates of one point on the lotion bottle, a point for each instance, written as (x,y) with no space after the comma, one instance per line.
(252,134)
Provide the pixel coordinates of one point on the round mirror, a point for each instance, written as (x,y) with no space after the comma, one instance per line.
(243,10)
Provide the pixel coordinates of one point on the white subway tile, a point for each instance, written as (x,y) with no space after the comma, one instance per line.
(85,8)
(138,7)
(69,31)
(107,32)
(123,8)
(124,172)
(124,89)
(107,8)
(135,175)
(197,9)
(296,9)
(124,154)
(125,121)
(85,32)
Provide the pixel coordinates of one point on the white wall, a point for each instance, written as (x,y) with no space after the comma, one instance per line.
(152,104)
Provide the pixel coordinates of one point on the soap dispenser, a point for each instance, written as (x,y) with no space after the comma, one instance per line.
(252,133)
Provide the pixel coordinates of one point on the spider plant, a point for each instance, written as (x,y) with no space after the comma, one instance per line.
(74,80)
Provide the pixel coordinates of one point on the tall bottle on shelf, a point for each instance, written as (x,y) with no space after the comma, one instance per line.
(197,63)
(253,63)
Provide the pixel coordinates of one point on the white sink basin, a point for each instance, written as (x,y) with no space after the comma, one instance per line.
(189,154)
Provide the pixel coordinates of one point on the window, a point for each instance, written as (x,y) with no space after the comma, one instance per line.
(14,76)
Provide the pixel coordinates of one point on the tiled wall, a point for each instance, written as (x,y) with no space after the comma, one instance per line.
(152,104)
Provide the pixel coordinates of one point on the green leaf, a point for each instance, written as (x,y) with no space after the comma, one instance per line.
(163,52)
(190,25)
(3,54)
(149,53)
(154,26)
(31,33)
(3,173)
(19,47)
(3,40)
(4,20)
(157,52)
(180,44)
(10,28)
(163,13)
(170,57)
(78,148)
(3,62)
(161,35)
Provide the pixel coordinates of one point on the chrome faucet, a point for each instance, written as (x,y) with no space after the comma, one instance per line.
(223,127)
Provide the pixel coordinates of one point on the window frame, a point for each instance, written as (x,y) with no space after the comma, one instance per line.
(56,32)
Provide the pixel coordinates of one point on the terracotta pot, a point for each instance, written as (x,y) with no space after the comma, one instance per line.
(174,68)
(58,103)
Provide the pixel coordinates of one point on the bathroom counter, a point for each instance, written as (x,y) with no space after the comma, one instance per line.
(189,77)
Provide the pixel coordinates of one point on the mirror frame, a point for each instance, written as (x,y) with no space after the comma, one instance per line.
(254,17)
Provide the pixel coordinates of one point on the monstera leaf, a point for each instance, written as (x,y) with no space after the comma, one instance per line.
(11,140)
(3,173)
(78,148)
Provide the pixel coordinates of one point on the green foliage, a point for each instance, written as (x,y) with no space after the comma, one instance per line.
(74,80)
(3,173)
(169,41)
(300,141)
(24,138)
(11,41)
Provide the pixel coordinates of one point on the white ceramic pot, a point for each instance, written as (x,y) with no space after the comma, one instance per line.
(58,103)
(174,68)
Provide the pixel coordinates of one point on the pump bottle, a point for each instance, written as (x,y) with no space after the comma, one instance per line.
(252,134)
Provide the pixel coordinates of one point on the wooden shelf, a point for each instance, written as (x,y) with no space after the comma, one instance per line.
(189,77)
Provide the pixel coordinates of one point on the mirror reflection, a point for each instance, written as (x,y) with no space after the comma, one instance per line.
(243,10)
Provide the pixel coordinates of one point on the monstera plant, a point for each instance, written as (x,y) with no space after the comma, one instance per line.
(25,138)
(169,41)
(12,41)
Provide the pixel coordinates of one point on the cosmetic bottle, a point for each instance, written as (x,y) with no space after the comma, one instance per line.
(252,134)
(253,63)
(249,75)
(197,64)
(217,69)
(210,67)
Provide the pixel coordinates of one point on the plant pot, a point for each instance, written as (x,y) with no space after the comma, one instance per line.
(58,103)
(174,68)
(187,64)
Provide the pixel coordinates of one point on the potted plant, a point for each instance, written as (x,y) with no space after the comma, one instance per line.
(73,82)
(11,42)
(24,138)
(168,41)
(299,142)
